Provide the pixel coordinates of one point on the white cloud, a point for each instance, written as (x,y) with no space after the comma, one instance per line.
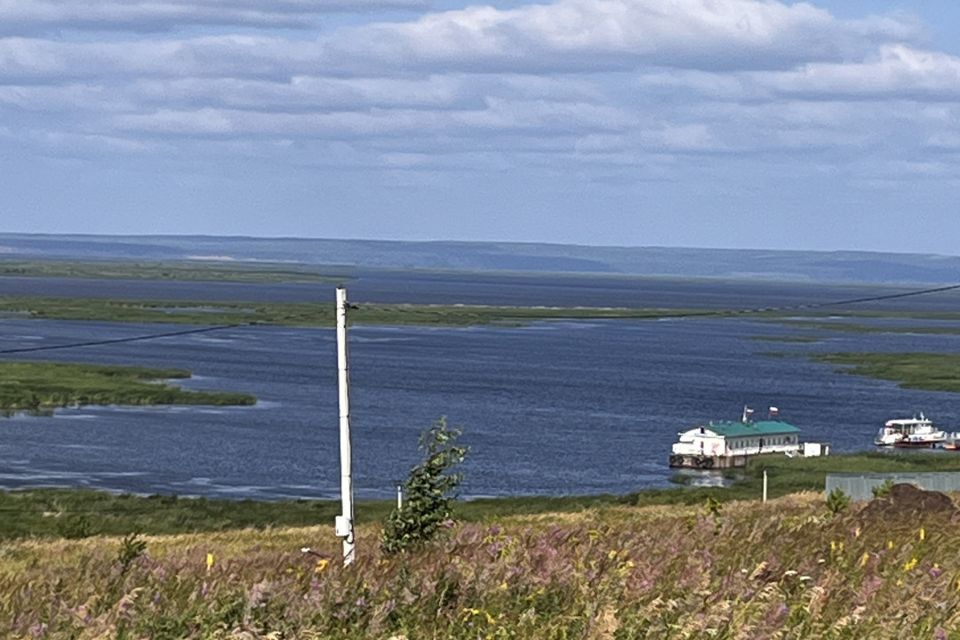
(590,81)
(38,16)
(567,35)
(618,34)
(897,70)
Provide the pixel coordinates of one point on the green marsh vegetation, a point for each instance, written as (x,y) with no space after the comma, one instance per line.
(40,386)
(931,371)
(174,270)
(303,314)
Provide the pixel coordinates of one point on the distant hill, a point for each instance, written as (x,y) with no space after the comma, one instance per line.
(819,266)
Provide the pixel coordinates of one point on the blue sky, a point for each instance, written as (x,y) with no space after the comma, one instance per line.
(715,123)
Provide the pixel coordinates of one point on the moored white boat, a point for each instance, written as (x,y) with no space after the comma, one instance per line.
(910,433)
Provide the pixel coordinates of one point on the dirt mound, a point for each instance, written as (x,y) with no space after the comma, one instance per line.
(908,500)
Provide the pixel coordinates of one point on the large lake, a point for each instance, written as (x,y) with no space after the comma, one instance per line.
(552,408)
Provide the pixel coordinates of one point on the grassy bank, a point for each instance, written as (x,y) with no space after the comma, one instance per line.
(79,513)
(931,371)
(38,386)
(305,314)
(787,569)
(856,327)
(174,270)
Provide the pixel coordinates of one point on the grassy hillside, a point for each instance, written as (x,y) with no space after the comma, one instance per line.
(77,513)
(787,569)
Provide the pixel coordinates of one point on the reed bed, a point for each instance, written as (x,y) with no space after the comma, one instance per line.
(786,569)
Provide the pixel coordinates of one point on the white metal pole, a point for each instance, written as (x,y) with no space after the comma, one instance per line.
(344,524)
(764,485)
(399,497)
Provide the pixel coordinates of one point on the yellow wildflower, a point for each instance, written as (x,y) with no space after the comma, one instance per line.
(864,559)
(910,564)
(889,544)
(321,565)
(210,561)
(923,534)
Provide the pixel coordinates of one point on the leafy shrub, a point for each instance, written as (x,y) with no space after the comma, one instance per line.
(428,490)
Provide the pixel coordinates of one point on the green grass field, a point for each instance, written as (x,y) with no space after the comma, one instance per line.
(38,386)
(80,513)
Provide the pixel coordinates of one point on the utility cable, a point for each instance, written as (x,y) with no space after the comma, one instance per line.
(152,336)
(811,305)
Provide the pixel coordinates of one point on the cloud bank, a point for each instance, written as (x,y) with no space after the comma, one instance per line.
(602,90)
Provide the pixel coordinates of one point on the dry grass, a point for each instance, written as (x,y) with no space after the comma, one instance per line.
(788,569)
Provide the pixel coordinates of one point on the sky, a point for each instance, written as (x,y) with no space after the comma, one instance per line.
(703,123)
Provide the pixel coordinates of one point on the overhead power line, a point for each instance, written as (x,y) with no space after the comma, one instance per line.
(151,336)
(811,305)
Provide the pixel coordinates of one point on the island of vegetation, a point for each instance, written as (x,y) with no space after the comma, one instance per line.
(930,371)
(43,386)
(305,314)
(175,270)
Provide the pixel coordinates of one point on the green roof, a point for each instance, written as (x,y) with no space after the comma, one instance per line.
(730,429)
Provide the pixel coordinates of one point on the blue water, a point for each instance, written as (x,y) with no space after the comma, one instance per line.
(553,408)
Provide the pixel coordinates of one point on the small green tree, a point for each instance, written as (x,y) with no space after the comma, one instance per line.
(883,490)
(428,490)
(837,501)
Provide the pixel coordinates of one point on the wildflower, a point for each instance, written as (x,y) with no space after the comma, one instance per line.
(321,565)
(935,570)
(922,534)
(759,571)
(856,532)
(864,558)
(889,544)
(909,565)
(210,561)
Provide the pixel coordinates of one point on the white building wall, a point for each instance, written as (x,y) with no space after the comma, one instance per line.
(693,442)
